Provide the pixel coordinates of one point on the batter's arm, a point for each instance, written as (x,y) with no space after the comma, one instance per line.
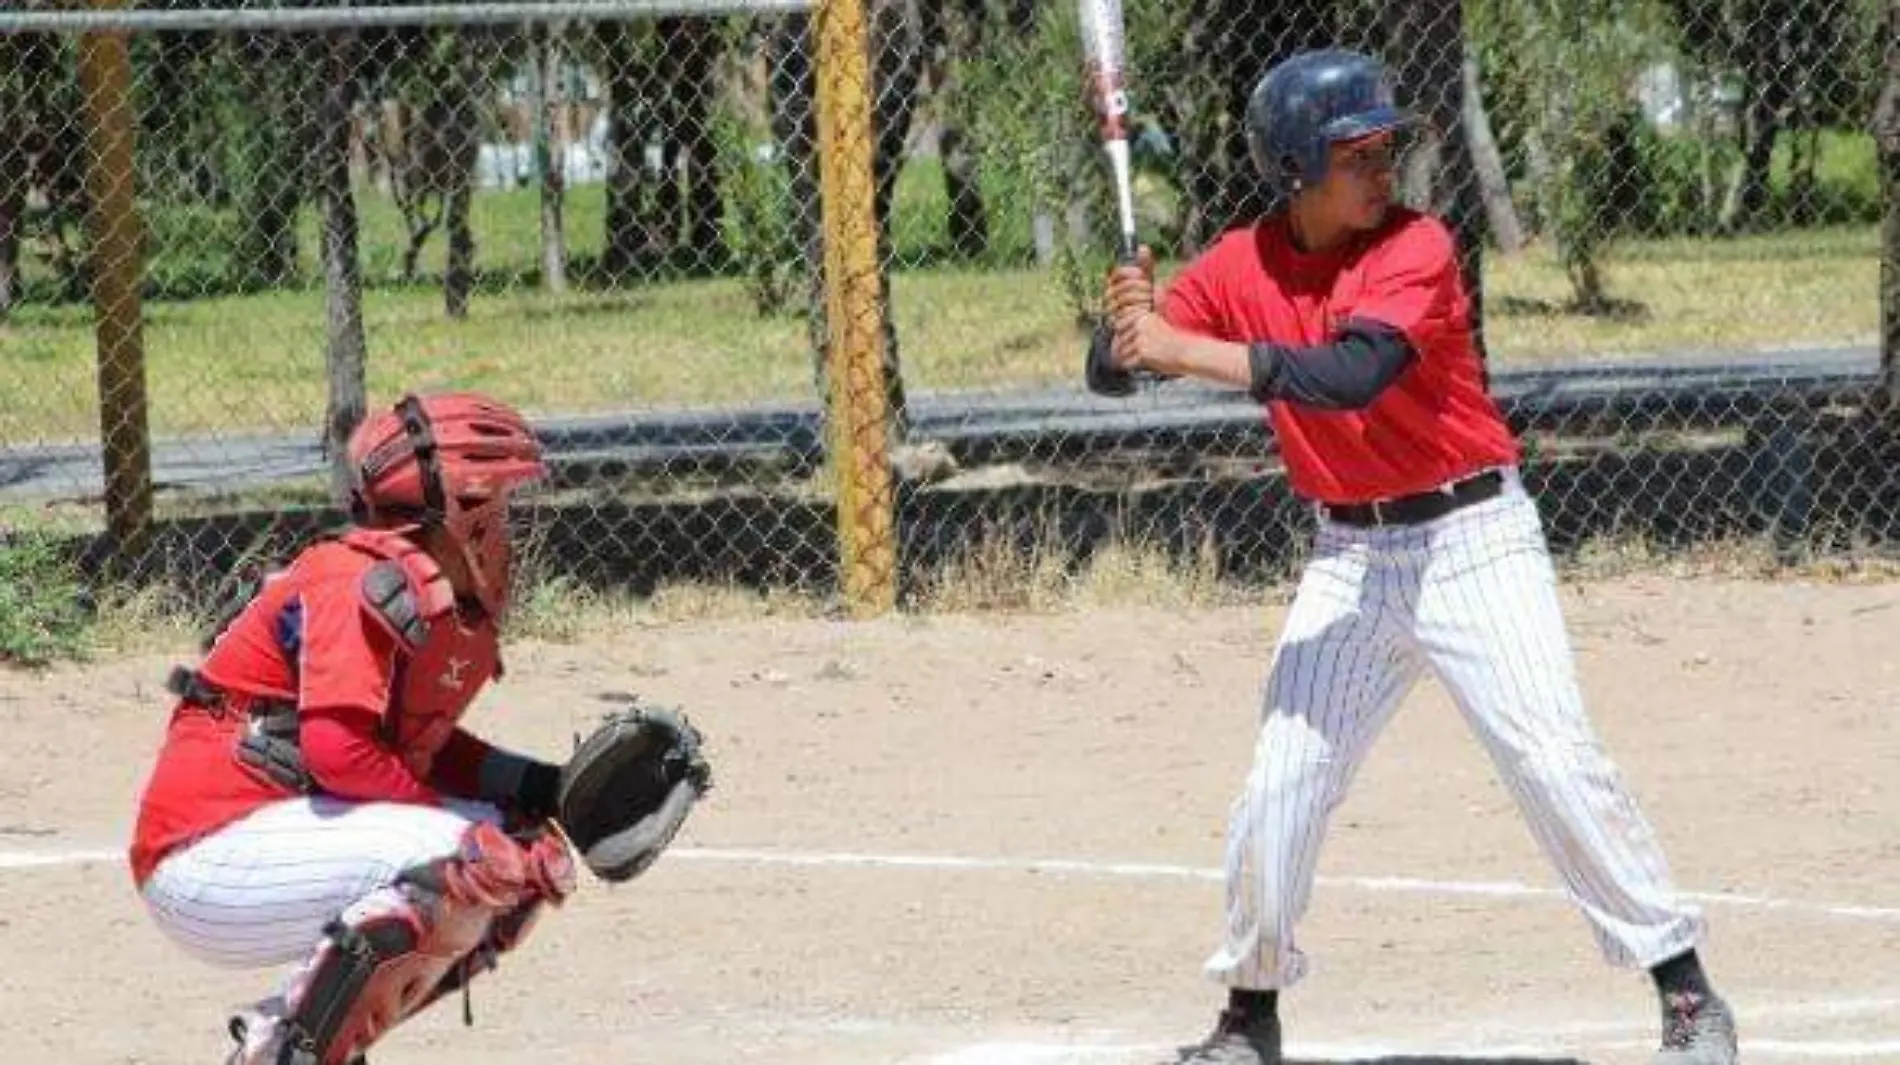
(1346,374)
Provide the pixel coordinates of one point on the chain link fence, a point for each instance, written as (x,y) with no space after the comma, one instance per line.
(799,297)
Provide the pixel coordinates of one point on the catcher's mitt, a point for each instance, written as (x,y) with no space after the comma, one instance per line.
(629,786)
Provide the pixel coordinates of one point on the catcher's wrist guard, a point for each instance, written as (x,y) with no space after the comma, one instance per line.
(628,787)
(539,793)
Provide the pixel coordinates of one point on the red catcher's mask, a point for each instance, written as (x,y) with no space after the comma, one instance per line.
(448,461)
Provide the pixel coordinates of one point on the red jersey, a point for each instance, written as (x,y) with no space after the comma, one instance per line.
(1435,423)
(313,639)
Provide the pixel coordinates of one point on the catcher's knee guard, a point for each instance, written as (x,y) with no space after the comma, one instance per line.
(400,948)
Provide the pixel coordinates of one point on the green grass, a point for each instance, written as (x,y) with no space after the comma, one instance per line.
(43,615)
(233,363)
(1810,287)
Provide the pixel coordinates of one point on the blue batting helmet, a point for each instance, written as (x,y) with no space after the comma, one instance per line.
(1306,104)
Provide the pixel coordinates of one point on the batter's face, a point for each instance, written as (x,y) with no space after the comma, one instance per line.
(1359,182)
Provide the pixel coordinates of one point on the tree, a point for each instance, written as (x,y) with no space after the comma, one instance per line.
(626,64)
(458,128)
(1226,46)
(276,78)
(1568,65)
(345,349)
(661,90)
(13,169)
(686,205)
(546,72)
(1886,127)
(433,122)
(1487,164)
(1427,49)
(1782,56)
(42,164)
(966,31)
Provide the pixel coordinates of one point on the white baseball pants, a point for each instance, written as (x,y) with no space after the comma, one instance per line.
(1472,596)
(259,891)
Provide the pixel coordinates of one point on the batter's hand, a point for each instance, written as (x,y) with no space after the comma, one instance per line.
(1131,286)
(1144,341)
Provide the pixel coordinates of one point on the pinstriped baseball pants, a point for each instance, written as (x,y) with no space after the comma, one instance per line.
(1473,597)
(259,891)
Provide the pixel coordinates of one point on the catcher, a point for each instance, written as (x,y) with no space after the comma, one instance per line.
(315,797)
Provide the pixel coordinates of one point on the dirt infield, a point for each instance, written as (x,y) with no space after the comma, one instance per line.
(991,841)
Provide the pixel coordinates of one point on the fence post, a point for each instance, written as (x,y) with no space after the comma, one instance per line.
(105,75)
(859,408)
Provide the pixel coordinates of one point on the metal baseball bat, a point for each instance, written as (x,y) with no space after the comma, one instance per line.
(1103,36)
(1103,49)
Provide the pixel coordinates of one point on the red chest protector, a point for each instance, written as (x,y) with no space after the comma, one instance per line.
(440,665)
(444,662)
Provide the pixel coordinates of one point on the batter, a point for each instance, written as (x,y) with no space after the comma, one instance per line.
(1346,315)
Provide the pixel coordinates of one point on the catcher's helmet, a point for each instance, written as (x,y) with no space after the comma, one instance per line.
(1306,104)
(448,461)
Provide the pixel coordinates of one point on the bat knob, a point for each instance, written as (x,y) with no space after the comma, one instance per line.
(1099,371)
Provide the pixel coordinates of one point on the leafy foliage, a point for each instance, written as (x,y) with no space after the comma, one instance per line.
(43,607)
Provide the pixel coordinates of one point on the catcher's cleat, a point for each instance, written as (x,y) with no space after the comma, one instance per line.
(260,1034)
(1698,1029)
(1237,1039)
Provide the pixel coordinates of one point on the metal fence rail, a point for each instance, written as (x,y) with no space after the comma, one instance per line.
(375,16)
(1055,427)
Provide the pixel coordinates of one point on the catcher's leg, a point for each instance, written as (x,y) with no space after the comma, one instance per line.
(1342,666)
(403,946)
(257,892)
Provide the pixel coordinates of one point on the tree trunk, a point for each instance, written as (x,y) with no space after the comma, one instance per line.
(687,200)
(345,353)
(1494,184)
(268,250)
(460,130)
(1230,44)
(1438,175)
(1887,139)
(1744,205)
(704,208)
(412,149)
(13,181)
(458,274)
(1557,152)
(1768,96)
(551,158)
(795,128)
(967,224)
(626,153)
(1708,187)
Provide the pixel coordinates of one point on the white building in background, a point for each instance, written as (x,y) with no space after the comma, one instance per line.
(509,162)
(1670,101)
